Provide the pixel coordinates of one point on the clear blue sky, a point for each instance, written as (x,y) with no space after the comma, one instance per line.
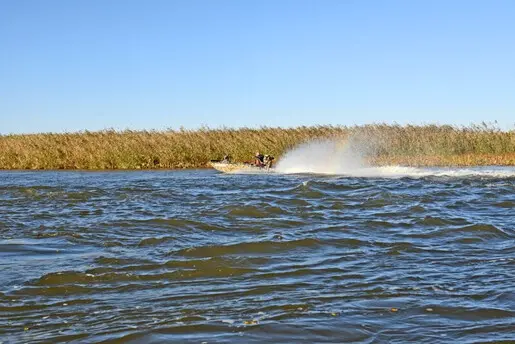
(68,65)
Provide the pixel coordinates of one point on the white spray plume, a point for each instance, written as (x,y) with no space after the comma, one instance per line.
(348,158)
(329,156)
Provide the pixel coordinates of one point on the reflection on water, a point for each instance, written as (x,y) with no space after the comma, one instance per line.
(198,256)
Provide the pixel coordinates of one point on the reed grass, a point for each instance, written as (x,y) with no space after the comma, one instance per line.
(429,145)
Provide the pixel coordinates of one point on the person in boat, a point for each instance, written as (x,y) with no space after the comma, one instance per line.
(267,161)
(263,160)
(226,159)
(259,160)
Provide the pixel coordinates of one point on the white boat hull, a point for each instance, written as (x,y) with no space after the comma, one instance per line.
(238,168)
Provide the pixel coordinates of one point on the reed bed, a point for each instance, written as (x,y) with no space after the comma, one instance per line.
(429,145)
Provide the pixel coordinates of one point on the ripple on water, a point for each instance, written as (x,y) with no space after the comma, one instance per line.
(481,230)
(196,256)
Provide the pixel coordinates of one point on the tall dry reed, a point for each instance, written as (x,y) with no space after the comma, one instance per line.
(385,144)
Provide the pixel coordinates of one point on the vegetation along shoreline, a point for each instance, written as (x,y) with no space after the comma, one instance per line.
(380,144)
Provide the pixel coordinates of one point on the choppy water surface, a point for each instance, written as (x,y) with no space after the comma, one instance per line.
(198,256)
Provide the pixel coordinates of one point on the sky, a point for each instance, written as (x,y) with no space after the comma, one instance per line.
(72,65)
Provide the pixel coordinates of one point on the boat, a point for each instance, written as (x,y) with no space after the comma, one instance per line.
(232,167)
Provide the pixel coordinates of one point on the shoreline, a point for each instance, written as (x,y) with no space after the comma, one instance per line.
(463,161)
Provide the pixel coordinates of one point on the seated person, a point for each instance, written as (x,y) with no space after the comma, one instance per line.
(226,160)
(259,159)
(267,161)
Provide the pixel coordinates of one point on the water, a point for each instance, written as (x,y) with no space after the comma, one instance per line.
(400,255)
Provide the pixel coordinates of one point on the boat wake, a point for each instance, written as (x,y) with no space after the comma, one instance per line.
(336,158)
(412,172)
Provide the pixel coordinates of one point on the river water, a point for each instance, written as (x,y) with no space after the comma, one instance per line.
(400,255)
